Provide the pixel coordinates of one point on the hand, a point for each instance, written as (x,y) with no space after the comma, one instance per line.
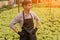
(19,33)
(36,27)
(34,30)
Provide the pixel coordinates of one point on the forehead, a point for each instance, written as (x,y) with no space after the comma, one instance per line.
(26,2)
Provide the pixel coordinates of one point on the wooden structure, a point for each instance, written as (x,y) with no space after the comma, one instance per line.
(36,1)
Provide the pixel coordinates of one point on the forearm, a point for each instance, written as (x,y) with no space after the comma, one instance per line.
(37,24)
(15,29)
(37,21)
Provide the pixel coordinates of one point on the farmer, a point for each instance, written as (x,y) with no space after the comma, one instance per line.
(26,21)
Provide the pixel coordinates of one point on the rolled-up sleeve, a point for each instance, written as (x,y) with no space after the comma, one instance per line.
(14,21)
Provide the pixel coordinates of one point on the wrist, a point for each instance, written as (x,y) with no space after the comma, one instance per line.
(18,33)
(37,27)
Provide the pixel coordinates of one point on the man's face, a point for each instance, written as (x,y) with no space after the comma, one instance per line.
(27,7)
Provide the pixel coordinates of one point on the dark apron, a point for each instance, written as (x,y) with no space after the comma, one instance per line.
(28,32)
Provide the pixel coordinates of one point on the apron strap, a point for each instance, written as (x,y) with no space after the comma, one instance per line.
(24,17)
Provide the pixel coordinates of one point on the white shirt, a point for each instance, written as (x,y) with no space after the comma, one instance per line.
(19,18)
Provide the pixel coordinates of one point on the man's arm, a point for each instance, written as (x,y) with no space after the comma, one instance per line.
(13,22)
(12,25)
(37,20)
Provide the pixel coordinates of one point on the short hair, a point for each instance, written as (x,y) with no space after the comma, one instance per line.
(25,2)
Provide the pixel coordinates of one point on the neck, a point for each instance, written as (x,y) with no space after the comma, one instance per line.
(25,11)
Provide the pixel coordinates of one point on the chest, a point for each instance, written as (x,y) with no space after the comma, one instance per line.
(26,16)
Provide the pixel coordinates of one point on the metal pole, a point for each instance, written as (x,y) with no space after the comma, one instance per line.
(18,1)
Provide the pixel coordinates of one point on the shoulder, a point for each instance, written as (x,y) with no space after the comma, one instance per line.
(33,13)
(19,15)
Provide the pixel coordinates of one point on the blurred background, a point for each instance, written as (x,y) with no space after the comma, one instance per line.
(47,10)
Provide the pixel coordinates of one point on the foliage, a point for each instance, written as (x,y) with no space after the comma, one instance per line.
(46,31)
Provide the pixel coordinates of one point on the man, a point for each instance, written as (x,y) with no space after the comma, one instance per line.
(26,20)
